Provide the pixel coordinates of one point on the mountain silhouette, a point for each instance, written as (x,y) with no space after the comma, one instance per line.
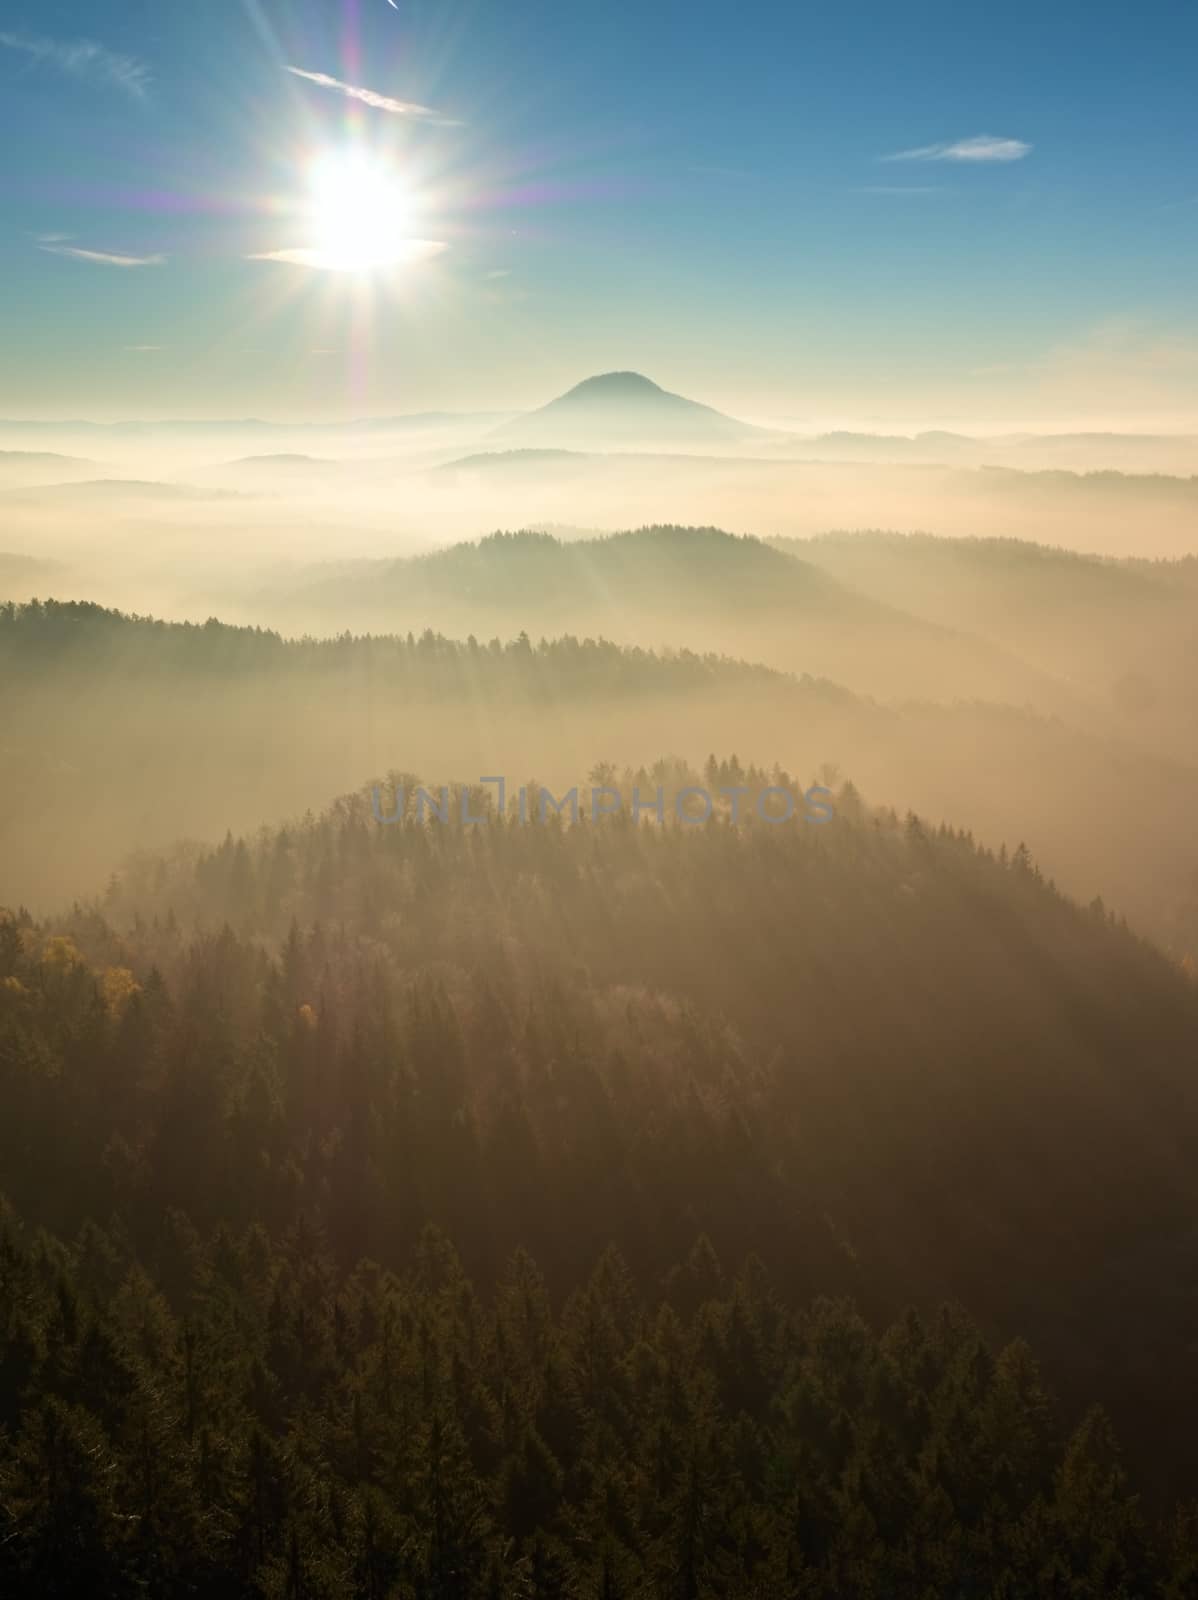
(622,409)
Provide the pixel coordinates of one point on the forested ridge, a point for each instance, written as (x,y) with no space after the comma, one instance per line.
(888,1063)
(598,985)
(685,565)
(62,635)
(259,1422)
(269,725)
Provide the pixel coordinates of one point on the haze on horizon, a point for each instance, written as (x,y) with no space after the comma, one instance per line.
(308,300)
(803,216)
(598,778)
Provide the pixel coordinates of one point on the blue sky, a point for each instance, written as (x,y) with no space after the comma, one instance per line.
(901,214)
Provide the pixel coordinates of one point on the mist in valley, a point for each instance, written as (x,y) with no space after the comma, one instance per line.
(1008,644)
(598,802)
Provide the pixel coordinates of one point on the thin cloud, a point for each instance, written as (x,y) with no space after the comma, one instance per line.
(143,349)
(983,147)
(500,272)
(83,58)
(105,258)
(368,97)
(328,261)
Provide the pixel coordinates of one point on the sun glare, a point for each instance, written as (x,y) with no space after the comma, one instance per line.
(361,213)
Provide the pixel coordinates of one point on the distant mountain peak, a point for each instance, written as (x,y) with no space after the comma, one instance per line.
(615,385)
(618,408)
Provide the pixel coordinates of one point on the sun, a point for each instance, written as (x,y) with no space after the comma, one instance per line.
(358,210)
(360,213)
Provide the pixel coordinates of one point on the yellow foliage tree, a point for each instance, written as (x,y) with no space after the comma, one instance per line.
(118,986)
(60,955)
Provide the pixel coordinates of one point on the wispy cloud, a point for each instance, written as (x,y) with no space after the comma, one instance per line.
(143,349)
(500,272)
(982,147)
(406,250)
(83,58)
(368,97)
(105,258)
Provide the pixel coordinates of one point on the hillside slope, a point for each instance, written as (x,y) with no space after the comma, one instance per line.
(670,585)
(154,730)
(884,1059)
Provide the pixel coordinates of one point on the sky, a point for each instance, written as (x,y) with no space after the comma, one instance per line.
(862,212)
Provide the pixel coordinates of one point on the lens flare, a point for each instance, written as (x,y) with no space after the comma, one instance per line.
(361,213)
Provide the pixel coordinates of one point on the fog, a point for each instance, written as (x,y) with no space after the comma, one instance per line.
(169,515)
(1014,651)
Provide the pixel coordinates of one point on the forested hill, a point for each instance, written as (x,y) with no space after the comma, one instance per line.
(300,1432)
(54,636)
(888,1061)
(268,725)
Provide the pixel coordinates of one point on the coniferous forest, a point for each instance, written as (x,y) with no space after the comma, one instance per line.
(598,800)
(600,1209)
